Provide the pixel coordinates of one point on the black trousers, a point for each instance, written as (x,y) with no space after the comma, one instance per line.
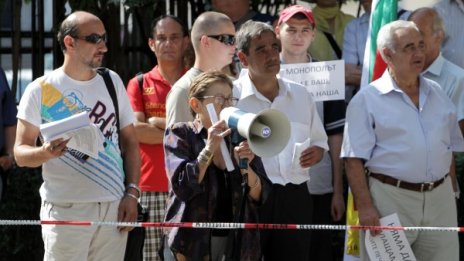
(321,240)
(289,204)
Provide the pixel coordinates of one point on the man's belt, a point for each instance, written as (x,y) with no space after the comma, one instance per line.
(419,187)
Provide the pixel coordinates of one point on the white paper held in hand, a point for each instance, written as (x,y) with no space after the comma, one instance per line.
(297,150)
(390,244)
(225,153)
(84,136)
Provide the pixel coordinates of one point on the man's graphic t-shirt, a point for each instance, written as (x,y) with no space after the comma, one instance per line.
(76,177)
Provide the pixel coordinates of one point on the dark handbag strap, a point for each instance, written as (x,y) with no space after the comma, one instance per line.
(105,73)
(136,238)
(334,44)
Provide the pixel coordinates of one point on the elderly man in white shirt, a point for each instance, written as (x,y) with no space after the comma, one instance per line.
(452,12)
(448,75)
(259,89)
(402,129)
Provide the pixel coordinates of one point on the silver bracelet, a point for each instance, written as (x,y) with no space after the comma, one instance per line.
(131,195)
(134,186)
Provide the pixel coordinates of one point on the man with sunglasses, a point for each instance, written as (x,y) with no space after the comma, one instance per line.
(76,186)
(260,88)
(213,40)
(168,42)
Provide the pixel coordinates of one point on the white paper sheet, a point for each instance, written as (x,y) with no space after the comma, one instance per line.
(297,150)
(84,136)
(225,152)
(389,244)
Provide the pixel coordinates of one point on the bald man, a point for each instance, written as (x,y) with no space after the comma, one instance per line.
(449,75)
(77,186)
(213,40)
(240,12)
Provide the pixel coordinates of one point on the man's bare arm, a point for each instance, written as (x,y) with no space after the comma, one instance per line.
(26,152)
(127,211)
(7,161)
(352,74)
(368,214)
(149,131)
(338,202)
(10,134)
(452,173)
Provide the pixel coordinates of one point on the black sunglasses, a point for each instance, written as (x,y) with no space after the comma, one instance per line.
(93,38)
(226,39)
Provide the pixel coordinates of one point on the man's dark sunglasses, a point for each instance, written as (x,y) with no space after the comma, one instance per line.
(226,39)
(93,38)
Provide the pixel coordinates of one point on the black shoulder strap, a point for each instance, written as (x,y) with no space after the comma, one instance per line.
(334,44)
(140,80)
(400,13)
(105,73)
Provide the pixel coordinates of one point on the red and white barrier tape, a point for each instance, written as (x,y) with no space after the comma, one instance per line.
(223,225)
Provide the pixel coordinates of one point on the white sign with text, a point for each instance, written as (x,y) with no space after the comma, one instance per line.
(324,80)
(389,245)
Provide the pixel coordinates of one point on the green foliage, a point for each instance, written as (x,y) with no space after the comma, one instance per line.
(22,202)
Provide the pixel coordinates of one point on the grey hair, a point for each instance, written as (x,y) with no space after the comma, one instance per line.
(385,37)
(248,31)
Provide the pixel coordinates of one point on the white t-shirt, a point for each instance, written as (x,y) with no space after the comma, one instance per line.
(296,103)
(76,177)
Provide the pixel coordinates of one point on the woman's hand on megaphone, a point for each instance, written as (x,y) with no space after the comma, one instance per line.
(215,135)
(243,151)
(311,156)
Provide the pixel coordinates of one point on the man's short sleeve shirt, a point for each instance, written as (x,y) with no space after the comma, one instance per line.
(152,102)
(398,139)
(75,177)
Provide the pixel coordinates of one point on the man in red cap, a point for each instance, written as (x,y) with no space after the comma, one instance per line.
(296,31)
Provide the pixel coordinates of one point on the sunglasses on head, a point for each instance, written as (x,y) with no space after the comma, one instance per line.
(93,38)
(226,39)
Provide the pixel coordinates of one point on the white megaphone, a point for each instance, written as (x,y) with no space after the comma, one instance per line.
(267,132)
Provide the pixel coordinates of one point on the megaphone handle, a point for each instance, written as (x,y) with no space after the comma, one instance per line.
(243,163)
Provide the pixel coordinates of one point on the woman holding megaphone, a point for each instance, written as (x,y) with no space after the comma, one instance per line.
(201,187)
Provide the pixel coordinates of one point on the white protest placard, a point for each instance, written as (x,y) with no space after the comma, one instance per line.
(324,80)
(389,244)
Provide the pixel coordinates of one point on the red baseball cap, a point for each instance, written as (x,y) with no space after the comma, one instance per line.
(290,11)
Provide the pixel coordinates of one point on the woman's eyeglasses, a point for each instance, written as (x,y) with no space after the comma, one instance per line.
(93,38)
(221,100)
(226,39)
